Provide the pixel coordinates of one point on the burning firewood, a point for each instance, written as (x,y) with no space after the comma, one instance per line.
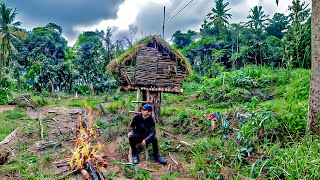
(86,158)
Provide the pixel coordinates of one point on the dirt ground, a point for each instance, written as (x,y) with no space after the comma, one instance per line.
(6,107)
(58,125)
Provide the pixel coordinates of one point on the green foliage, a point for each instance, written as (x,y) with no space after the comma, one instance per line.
(101,124)
(181,40)
(39,101)
(13,115)
(77,103)
(297,161)
(215,70)
(170,111)
(5,90)
(9,120)
(115,106)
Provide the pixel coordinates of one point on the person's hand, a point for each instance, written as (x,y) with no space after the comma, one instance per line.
(144,142)
(129,134)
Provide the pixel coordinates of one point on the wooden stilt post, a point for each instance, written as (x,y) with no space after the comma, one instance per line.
(138,99)
(156,101)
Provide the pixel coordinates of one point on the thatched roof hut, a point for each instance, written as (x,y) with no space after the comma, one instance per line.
(153,65)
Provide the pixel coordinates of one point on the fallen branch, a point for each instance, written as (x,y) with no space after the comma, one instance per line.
(55,120)
(187,144)
(9,137)
(67,175)
(178,146)
(44,145)
(61,163)
(173,159)
(41,132)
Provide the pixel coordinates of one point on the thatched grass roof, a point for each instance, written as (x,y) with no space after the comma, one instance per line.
(150,41)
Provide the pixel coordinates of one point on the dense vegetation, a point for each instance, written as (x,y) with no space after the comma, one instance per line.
(252,76)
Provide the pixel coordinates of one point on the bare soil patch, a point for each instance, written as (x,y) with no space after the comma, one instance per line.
(6,108)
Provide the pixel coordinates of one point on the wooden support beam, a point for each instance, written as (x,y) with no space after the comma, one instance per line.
(138,99)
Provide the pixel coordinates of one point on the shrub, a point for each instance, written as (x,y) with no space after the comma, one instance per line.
(5,90)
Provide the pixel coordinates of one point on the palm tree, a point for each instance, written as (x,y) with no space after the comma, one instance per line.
(299,12)
(219,16)
(314,96)
(8,34)
(257,18)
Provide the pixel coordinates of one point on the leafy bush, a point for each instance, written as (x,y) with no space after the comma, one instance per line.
(14,114)
(170,111)
(82,89)
(77,103)
(115,106)
(39,101)
(5,90)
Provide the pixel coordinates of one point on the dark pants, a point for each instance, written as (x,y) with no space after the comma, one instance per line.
(136,139)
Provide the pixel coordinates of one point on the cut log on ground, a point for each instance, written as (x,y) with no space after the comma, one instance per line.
(10,137)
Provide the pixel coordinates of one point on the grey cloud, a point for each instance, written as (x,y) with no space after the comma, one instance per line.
(150,20)
(189,18)
(66,13)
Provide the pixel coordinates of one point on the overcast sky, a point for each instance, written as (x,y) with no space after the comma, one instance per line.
(76,16)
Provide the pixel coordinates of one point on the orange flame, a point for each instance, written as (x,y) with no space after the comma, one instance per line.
(86,149)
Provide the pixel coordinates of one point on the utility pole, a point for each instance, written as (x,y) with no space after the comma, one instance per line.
(164,20)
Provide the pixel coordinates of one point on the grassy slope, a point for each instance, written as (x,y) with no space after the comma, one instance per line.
(268,107)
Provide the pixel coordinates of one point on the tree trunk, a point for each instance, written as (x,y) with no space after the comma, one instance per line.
(52,86)
(314,97)
(70,85)
(1,65)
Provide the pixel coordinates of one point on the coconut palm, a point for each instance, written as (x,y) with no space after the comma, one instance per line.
(8,34)
(219,16)
(257,18)
(299,12)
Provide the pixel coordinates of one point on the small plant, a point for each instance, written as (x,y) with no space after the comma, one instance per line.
(101,124)
(14,114)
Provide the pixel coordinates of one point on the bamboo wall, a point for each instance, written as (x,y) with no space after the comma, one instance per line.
(152,69)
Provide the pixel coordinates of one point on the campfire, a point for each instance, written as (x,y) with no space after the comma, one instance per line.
(86,158)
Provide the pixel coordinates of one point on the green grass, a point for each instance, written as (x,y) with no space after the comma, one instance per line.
(299,160)
(9,121)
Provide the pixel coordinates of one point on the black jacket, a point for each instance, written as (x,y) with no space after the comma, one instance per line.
(145,128)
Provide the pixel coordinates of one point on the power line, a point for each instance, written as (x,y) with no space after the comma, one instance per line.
(171,17)
(175,13)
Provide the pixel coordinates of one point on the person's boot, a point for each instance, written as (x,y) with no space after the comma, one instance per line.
(160,160)
(135,159)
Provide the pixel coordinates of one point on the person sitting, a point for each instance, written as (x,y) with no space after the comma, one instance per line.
(142,129)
